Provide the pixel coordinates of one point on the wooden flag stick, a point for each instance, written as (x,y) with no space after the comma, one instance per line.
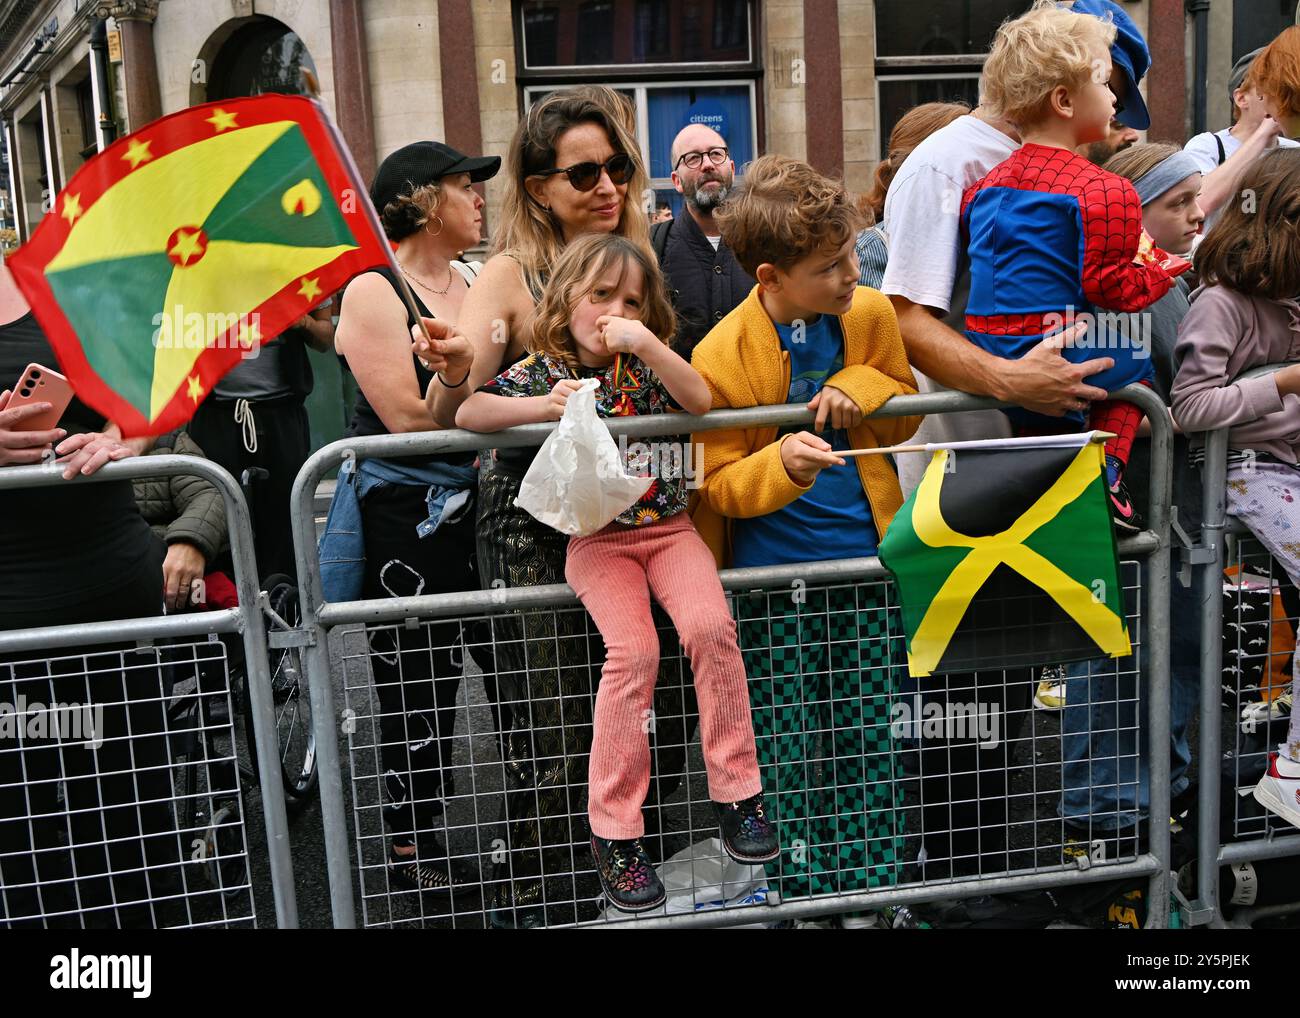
(879,452)
(312,88)
(1100,436)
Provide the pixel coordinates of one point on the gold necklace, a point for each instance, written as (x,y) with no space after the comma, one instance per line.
(412,276)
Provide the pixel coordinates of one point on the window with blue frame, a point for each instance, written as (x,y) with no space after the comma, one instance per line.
(728,109)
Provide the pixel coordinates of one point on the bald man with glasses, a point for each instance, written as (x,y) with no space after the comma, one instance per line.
(704,279)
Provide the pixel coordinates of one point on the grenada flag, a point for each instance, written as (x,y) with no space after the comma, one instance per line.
(181,248)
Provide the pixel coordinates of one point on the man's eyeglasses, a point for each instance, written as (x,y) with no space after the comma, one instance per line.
(693,160)
(585,176)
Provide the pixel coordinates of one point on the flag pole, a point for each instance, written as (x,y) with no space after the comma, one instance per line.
(312,88)
(1097,436)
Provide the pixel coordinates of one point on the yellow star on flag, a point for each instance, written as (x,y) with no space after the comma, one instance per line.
(137,152)
(309,288)
(194,388)
(188,247)
(71,207)
(222,121)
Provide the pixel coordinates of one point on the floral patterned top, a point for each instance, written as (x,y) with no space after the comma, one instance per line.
(627,388)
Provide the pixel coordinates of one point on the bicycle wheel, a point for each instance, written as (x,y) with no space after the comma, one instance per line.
(296,738)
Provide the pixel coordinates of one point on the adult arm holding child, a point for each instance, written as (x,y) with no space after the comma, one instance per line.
(495,309)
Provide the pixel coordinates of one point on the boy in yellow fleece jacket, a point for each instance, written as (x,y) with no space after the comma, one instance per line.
(820,661)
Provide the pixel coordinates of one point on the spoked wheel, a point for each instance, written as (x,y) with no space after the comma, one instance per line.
(294,731)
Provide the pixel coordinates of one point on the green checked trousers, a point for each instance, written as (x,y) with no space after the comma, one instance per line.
(821,666)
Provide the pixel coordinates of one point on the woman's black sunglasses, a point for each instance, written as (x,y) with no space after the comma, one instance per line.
(585,176)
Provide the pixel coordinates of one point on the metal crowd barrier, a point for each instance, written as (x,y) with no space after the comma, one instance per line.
(117,829)
(1252,835)
(545,623)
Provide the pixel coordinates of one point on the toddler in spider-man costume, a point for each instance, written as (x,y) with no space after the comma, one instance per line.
(1053,236)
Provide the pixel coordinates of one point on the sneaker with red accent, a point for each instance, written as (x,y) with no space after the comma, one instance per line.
(1278,790)
(1121,509)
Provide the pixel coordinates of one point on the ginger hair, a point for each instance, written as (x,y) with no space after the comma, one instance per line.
(1276,72)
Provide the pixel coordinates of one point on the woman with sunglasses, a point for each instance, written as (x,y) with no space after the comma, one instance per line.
(573,168)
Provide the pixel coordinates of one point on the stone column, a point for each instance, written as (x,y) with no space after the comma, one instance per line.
(134,19)
(352,101)
(1166,87)
(824,93)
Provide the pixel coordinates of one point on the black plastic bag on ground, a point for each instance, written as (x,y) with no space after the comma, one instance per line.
(1025,910)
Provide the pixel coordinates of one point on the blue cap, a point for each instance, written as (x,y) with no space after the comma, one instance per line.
(1129,53)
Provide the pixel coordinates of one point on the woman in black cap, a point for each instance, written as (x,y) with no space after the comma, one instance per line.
(416,516)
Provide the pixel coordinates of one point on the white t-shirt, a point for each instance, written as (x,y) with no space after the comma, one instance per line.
(923,208)
(927,258)
(715,240)
(1206,153)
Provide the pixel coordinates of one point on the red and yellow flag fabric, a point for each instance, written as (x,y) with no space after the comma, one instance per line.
(174,252)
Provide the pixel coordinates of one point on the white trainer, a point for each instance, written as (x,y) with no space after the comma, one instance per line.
(1278,790)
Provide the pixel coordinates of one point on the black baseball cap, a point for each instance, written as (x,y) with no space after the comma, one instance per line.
(423,162)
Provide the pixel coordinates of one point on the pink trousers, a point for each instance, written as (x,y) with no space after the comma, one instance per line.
(615,572)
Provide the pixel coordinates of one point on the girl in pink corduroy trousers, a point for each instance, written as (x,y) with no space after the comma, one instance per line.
(602,317)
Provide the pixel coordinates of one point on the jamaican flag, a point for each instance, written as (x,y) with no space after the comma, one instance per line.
(1005,556)
(183,247)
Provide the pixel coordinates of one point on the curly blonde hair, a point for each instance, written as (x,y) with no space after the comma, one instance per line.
(527,231)
(783,212)
(573,278)
(1044,48)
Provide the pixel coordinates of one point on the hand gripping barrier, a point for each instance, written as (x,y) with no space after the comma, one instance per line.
(149,879)
(474,820)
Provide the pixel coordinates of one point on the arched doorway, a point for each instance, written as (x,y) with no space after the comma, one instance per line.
(254,56)
(260,55)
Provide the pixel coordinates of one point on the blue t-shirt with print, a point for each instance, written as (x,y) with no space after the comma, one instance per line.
(833,518)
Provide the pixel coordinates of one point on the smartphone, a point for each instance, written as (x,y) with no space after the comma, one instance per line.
(38,384)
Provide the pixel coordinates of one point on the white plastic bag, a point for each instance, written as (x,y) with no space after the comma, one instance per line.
(702,878)
(578,484)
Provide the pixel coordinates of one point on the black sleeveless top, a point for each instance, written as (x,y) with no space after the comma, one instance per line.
(365,421)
